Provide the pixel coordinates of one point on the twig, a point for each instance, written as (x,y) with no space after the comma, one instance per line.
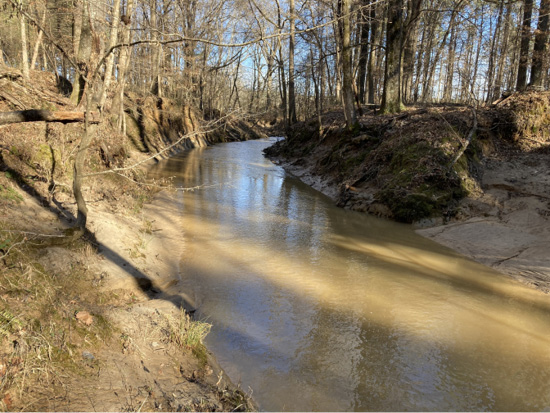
(468,139)
(13,246)
(177,188)
(182,137)
(32,233)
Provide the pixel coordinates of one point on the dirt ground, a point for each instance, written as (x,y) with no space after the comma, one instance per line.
(508,226)
(140,368)
(85,325)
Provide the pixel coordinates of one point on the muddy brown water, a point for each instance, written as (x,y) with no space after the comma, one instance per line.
(318,308)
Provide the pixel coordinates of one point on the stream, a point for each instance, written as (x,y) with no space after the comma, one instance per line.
(315,308)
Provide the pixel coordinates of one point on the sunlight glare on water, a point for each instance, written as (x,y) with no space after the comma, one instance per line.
(318,308)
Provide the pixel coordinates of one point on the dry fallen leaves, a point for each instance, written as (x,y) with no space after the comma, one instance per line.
(85,318)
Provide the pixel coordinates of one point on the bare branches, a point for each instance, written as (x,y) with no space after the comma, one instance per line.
(209,128)
(468,139)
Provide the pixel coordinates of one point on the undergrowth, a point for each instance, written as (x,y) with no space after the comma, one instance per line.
(41,340)
(185,332)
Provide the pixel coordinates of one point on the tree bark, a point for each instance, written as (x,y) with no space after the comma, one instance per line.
(391,97)
(521,83)
(347,68)
(497,88)
(78,170)
(291,73)
(123,61)
(38,115)
(115,21)
(83,57)
(38,41)
(156,58)
(492,55)
(540,49)
(363,51)
(24,45)
(372,55)
(448,92)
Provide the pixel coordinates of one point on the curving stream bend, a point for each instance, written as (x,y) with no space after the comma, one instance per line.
(318,308)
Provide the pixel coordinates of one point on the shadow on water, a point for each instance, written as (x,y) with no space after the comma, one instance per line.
(371,318)
(386,366)
(305,336)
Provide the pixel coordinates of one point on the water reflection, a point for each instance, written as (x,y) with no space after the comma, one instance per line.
(316,308)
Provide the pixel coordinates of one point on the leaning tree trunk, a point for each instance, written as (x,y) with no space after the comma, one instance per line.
(38,41)
(41,115)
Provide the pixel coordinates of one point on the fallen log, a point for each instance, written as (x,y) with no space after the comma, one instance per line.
(39,115)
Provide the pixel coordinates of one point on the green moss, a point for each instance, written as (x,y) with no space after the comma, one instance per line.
(408,207)
(45,105)
(44,156)
(201,353)
(9,194)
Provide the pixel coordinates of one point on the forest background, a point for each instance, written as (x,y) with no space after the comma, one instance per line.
(285,59)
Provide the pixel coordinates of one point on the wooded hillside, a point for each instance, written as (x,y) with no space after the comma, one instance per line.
(287,59)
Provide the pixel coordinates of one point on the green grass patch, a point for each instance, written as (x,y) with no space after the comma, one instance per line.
(7,193)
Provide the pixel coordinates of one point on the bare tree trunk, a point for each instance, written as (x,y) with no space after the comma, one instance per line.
(84,54)
(447,94)
(391,97)
(78,169)
(24,45)
(409,52)
(431,72)
(497,89)
(525,43)
(156,58)
(420,66)
(492,55)
(269,78)
(291,71)
(123,62)
(282,77)
(316,90)
(234,88)
(347,75)
(38,41)
(478,51)
(372,55)
(540,59)
(363,51)
(115,18)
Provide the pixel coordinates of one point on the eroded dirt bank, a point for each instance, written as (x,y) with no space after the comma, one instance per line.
(97,323)
(507,226)
(492,204)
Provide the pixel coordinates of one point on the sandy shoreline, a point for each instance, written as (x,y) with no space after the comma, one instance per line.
(506,227)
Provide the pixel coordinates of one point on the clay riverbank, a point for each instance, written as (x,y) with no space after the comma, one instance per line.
(491,205)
